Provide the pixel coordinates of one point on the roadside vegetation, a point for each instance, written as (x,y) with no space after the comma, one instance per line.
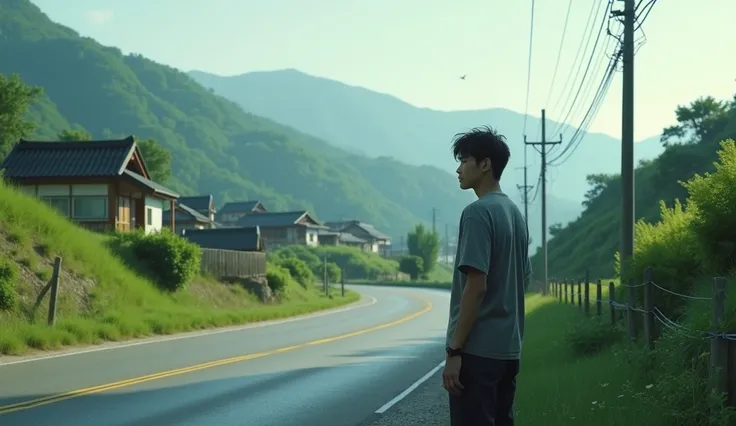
(584,371)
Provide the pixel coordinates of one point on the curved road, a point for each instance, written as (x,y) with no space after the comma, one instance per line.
(335,368)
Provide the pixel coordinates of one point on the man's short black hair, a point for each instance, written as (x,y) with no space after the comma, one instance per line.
(481,143)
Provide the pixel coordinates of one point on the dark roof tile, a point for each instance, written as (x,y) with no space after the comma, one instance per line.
(68,159)
(272,220)
(198,202)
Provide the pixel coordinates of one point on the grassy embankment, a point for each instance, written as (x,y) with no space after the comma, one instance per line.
(102,299)
(439,278)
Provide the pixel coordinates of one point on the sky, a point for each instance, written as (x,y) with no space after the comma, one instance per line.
(416,50)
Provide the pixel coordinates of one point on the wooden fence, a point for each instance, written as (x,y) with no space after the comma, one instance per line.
(232,264)
(722,343)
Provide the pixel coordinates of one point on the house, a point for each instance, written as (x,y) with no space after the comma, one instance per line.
(236,239)
(101,185)
(335,238)
(376,241)
(196,212)
(284,228)
(202,204)
(231,212)
(187,218)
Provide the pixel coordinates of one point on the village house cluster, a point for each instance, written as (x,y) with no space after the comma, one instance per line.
(105,185)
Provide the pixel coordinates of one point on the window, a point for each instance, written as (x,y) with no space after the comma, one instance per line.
(89,208)
(59,203)
(149,216)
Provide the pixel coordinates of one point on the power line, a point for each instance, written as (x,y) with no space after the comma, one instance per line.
(529,68)
(559,52)
(587,67)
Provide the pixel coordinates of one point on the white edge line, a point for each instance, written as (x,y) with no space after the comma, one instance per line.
(387,406)
(189,335)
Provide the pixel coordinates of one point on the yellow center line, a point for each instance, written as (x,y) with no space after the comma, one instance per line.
(38,402)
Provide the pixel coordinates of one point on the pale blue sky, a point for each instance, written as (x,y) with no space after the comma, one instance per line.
(417,49)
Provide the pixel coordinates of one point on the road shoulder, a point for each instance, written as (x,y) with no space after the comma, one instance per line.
(426,406)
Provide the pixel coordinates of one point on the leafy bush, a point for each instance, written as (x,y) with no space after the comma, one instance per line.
(298,270)
(334,273)
(670,247)
(8,278)
(278,277)
(355,263)
(713,196)
(172,260)
(591,336)
(412,265)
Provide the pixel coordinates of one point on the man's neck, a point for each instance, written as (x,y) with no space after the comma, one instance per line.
(486,187)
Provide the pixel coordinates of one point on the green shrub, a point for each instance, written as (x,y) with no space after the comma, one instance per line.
(412,265)
(278,277)
(297,269)
(334,273)
(671,249)
(8,278)
(591,336)
(173,260)
(713,199)
(355,263)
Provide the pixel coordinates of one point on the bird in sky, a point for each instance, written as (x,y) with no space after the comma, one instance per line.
(463,77)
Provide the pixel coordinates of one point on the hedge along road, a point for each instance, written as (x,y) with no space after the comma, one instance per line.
(327,370)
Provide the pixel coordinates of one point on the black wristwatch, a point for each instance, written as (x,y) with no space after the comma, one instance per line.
(453,352)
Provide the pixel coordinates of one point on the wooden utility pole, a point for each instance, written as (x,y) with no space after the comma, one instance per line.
(434,220)
(627,139)
(526,188)
(447,244)
(544,144)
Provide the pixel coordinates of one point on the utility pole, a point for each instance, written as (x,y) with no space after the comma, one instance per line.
(544,144)
(526,188)
(447,244)
(627,140)
(434,220)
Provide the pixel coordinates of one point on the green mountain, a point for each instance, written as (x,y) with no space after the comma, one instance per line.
(216,147)
(591,241)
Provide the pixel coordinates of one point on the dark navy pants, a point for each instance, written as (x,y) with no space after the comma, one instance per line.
(488,395)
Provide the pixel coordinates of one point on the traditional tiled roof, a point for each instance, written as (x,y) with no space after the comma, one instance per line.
(366,227)
(156,188)
(199,203)
(274,219)
(185,214)
(240,206)
(69,159)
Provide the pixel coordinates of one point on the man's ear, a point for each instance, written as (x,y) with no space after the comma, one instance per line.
(485,165)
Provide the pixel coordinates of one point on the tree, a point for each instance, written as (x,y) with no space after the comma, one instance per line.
(598,182)
(75,135)
(555,229)
(412,265)
(15,99)
(157,158)
(425,245)
(704,119)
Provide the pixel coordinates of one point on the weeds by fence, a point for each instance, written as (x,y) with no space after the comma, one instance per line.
(722,343)
(231,264)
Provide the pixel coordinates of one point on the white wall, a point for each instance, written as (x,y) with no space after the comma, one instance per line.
(312,237)
(154,209)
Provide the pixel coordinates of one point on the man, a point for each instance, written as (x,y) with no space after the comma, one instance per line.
(492,271)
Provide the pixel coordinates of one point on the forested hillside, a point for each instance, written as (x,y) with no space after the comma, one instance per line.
(216,147)
(591,241)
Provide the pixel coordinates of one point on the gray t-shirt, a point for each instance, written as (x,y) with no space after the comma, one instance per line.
(493,238)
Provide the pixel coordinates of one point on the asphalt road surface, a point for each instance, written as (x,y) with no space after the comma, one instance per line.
(331,369)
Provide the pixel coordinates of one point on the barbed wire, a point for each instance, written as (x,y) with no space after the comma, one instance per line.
(655,311)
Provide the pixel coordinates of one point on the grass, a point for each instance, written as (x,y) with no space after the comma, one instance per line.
(102,299)
(440,277)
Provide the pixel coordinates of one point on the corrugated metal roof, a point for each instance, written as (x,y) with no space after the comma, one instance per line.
(68,159)
(240,239)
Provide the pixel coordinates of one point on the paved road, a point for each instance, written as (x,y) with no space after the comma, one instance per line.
(333,369)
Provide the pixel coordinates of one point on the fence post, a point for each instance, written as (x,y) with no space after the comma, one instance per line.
(342,282)
(55,278)
(565,291)
(572,292)
(587,292)
(719,345)
(648,309)
(324,278)
(580,294)
(611,300)
(631,302)
(598,297)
